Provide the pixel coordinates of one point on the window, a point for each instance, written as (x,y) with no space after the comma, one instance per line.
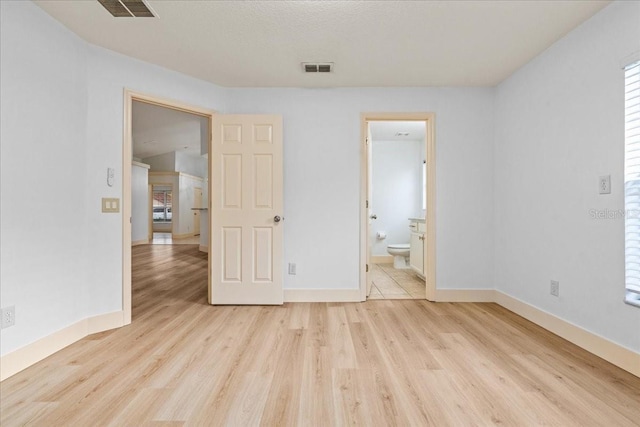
(161,205)
(632,182)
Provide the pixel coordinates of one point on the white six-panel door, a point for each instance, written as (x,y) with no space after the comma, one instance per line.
(246,210)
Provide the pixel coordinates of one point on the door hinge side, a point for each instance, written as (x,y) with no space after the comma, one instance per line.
(367,268)
(367,204)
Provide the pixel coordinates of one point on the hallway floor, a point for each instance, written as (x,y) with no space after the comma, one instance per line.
(167,239)
(390,283)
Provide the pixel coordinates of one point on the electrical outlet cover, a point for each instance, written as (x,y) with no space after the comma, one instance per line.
(604,184)
(8,316)
(555,288)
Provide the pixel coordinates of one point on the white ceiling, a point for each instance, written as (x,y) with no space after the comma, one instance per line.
(159,130)
(373,43)
(386,131)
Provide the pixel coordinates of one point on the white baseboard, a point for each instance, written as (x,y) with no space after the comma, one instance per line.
(140,242)
(381,259)
(322,295)
(181,236)
(614,353)
(465,295)
(22,358)
(203,248)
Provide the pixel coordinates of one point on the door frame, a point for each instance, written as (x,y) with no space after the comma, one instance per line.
(161,184)
(199,211)
(430,157)
(127,158)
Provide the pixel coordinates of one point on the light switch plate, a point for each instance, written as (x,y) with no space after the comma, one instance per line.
(110,205)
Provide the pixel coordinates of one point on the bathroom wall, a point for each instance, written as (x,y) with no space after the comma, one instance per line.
(396,190)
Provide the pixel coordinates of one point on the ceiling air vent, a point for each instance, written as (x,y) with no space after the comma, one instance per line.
(317,67)
(127,8)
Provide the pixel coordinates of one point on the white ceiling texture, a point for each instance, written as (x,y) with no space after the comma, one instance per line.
(372,43)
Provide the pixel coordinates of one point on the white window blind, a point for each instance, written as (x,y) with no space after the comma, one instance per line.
(632,182)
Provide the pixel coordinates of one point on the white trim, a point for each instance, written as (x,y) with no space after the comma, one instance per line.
(322,295)
(430,217)
(203,248)
(381,259)
(142,165)
(170,173)
(181,236)
(616,354)
(465,295)
(613,353)
(140,242)
(129,97)
(161,173)
(186,175)
(22,358)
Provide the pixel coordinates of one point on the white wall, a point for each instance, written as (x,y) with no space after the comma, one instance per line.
(61,257)
(192,165)
(322,178)
(186,185)
(43,209)
(162,162)
(139,203)
(109,74)
(396,190)
(559,125)
(177,161)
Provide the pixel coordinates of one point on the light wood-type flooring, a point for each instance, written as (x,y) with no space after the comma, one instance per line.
(167,239)
(379,363)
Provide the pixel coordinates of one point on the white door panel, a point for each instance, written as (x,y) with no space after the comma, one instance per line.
(247,195)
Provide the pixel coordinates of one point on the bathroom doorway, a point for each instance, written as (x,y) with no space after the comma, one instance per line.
(398,221)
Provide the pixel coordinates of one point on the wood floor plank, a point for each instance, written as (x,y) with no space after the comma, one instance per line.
(183,362)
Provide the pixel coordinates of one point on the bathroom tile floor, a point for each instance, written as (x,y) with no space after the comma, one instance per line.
(389,283)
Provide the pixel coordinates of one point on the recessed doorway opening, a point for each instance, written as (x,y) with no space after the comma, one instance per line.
(166,143)
(397,242)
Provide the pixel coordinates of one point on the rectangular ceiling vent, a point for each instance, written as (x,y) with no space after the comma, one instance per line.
(317,67)
(128,8)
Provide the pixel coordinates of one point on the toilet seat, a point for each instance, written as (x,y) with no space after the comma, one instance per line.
(400,246)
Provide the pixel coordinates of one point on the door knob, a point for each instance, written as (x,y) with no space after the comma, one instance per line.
(276,218)
(374,216)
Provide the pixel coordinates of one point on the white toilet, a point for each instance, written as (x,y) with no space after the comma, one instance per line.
(400,252)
